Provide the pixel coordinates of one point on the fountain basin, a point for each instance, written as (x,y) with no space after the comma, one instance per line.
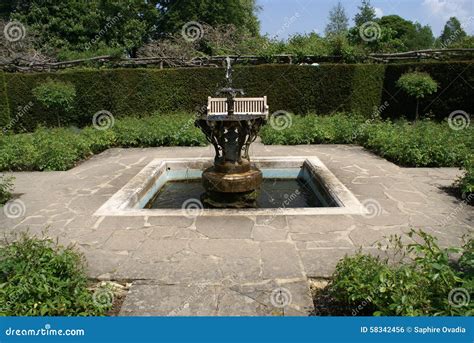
(141,195)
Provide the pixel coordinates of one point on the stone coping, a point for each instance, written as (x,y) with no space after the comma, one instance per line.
(129,200)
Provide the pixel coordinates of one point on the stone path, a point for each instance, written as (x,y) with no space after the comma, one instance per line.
(232,265)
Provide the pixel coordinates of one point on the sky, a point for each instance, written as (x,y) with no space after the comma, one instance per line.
(282,18)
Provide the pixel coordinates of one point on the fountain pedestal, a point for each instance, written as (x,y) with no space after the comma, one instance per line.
(232,182)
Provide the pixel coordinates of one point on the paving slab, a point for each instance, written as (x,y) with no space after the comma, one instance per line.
(231,265)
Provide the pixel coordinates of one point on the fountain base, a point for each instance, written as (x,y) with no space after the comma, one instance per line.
(231,190)
(230,200)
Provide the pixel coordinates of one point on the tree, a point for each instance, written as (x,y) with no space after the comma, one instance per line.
(452,32)
(83,25)
(338,21)
(418,85)
(413,36)
(366,13)
(421,37)
(400,26)
(57,96)
(240,13)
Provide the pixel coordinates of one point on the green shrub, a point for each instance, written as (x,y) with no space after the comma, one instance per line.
(454,94)
(417,85)
(419,284)
(40,278)
(466,183)
(56,96)
(6,187)
(62,148)
(424,144)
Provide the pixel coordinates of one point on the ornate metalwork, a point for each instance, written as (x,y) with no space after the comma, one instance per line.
(232,181)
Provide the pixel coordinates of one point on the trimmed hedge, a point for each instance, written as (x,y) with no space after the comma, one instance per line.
(123,92)
(454,92)
(355,88)
(4,109)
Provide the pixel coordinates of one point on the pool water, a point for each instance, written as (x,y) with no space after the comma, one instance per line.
(274,193)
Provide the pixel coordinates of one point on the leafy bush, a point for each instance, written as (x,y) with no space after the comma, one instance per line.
(417,85)
(57,96)
(466,183)
(40,278)
(419,284)
(424,144)
(62,148)
(6,187)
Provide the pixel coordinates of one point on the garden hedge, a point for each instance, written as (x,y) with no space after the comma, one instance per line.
(4,110)
(324,89)
(455,80)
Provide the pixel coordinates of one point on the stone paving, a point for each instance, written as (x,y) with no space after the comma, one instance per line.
(232,265)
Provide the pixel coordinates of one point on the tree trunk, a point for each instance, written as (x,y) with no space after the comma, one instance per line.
(416,114)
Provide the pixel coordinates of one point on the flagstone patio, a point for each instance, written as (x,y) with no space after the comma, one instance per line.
(239,265)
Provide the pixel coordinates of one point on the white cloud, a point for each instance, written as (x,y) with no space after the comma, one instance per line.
(378,12)
(445,9)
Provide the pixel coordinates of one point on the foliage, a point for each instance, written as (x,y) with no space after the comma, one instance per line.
(240,13)
(294,88)
(466,183)
(418,85)
(78,29)
(62,148)
(57,96)
(438,105)
(6,187)
(366,13)
(426,144)
(79,25)
(410,35)
(338,22)
(299,89)
(419,284)
(4,107)
(452,32)
(40,278)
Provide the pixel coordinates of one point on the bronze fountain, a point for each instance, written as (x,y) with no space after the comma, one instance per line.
(232,181)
